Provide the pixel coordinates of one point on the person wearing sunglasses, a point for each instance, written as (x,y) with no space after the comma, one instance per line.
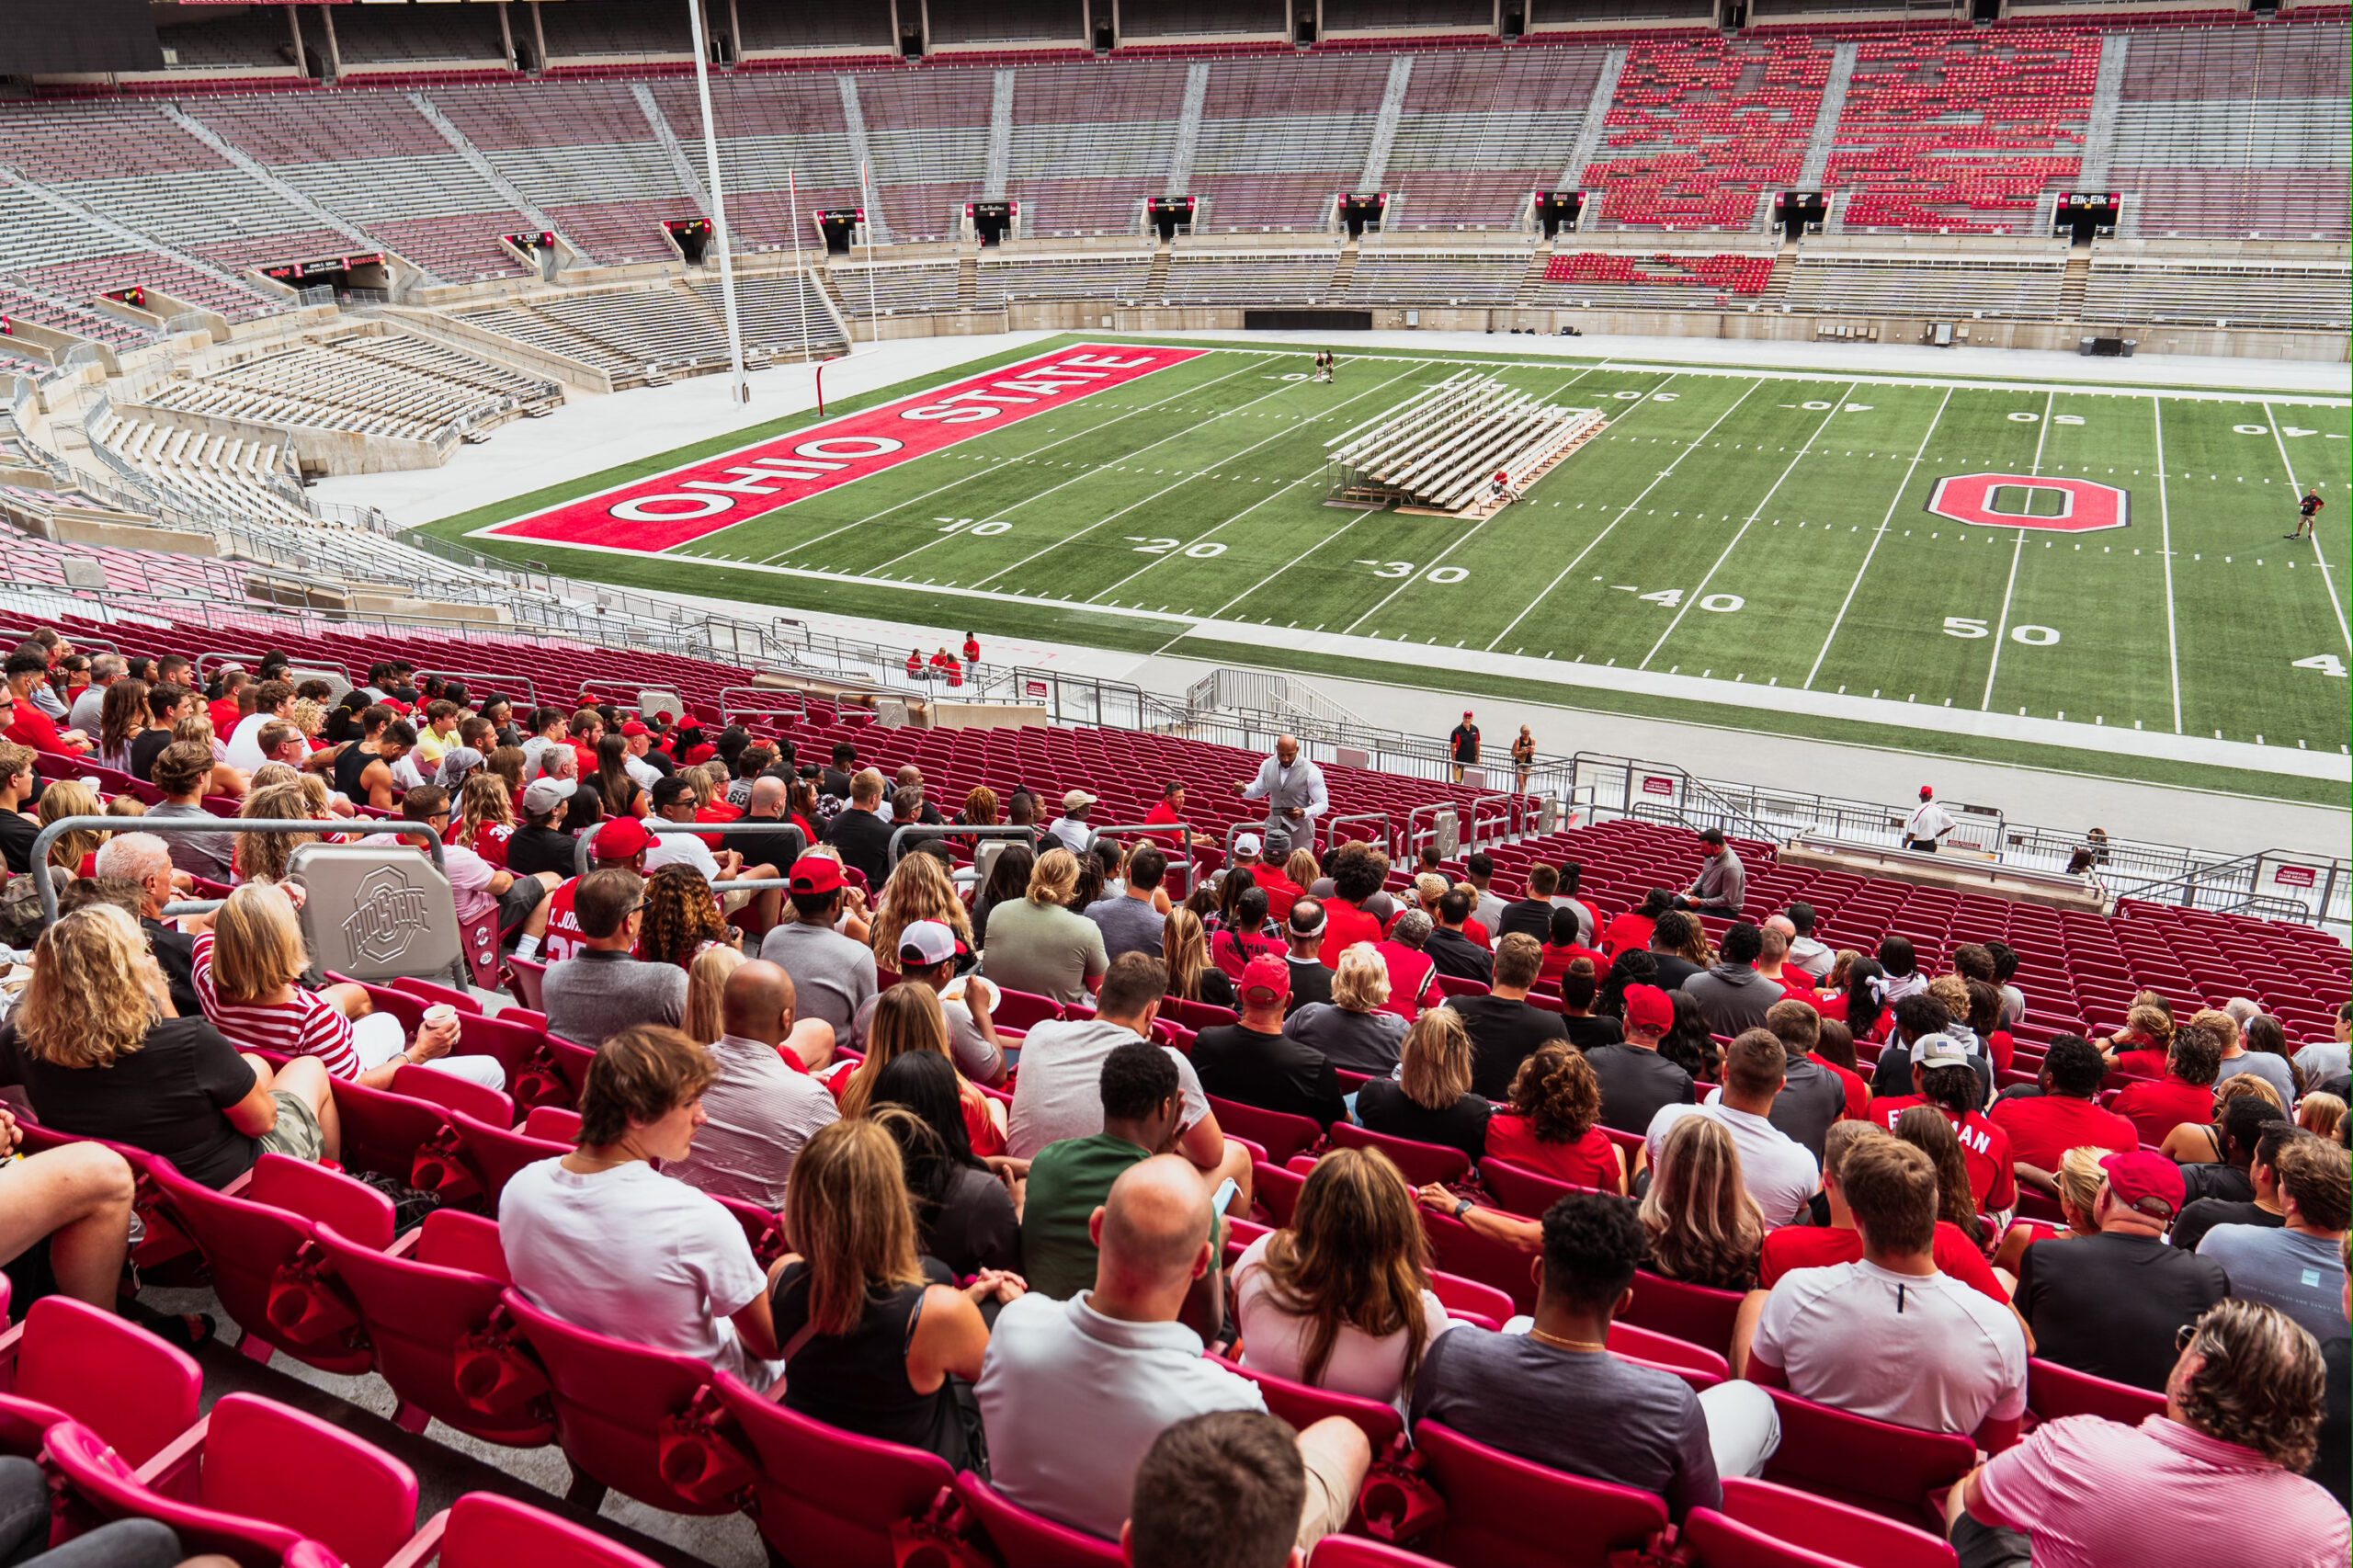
(603,990)
(2223,1465)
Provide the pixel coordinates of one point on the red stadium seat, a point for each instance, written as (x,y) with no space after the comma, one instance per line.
(826,1496)
(483,1529)
(1031,1540)
(1506,1512)
(1765,1525)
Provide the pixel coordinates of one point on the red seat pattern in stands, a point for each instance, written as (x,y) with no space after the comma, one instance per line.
(1697,127)
(1729,274)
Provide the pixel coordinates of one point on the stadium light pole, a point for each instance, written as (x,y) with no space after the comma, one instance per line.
(742,388)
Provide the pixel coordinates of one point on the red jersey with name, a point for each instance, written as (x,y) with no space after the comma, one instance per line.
(564,938)
(1984,1148)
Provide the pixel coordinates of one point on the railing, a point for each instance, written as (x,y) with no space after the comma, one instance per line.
(1227,687)
(189,321)
(171,826)
(81,354)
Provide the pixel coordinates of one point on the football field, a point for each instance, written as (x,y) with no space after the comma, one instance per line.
(2107,558)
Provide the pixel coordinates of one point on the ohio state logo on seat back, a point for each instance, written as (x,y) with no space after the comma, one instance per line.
(2028,501)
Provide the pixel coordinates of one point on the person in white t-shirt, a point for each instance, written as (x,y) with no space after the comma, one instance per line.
(603,1240)
(1890,1336)
(1780,1172)
(272,699)
(1927,823)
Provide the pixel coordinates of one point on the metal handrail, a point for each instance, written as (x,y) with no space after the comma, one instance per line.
(1146,831)
(729,711)
(1026,832)
(1388,833)
(1409,849)
(1512,819)
(583,860)
(168,826)
(498,682)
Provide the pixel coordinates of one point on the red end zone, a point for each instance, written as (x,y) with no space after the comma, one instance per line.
(686,503)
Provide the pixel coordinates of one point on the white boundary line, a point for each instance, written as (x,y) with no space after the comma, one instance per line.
(2327,581)
(1688,448)
(2002,627)
(1283,490)
(1884,524)
(1746,523)
(2164,543)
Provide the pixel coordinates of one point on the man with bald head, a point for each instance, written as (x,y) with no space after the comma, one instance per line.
(1074,1392)
(1292,787)
(779,846)
(764,1106)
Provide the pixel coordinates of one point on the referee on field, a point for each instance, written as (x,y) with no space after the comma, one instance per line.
(1929,823)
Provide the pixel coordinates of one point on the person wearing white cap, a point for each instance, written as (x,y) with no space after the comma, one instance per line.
(1293,788)
(927,953)
(1071,827)
(1929,823)
(1246,847)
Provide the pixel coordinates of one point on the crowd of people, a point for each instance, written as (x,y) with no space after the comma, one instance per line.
(979,1081)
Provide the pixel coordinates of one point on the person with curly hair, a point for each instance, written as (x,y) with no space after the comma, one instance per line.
(681,918)
(2244,1407)
(1553,1127)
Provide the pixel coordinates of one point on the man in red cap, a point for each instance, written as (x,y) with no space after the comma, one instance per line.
(1254,1063)
(642,762)
(622,842)
(1635,1079)
(2109,1304)
(832,976)
(1927,823)
(1462,746)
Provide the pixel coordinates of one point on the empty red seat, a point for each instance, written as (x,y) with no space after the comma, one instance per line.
(1506,1512)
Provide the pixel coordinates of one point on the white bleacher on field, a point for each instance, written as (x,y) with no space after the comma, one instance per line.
(397,386)
(2205,294)
(1119,275)
(895,287)
(770,310)
(1285,278)
(1423,277)
(1913,285)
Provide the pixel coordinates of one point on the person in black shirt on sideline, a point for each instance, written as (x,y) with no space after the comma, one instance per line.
(1635,1079)
(1430,1099)
(2109,1304)
(1505,1028)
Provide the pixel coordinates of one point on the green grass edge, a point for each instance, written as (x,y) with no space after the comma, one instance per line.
(1111,631)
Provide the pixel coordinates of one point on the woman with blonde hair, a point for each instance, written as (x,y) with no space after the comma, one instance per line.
(310,717)
(1552,1126)
(122,714)
(195,727)
(1340,1298)
(71,798)
(1351,1030)
(907,1018)
(485,818)
(248,970)
(1430,1100)
(2142,1046)
(1186,948)
(1704,1228)
(1041,946)
(707,990)
(263,857)
(104,1055)
(2320,1114)
(919,888)
(2078,1178)
(879,1340)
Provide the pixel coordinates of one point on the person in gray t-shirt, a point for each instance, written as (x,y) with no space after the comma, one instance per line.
(601,991)
(1130,921)
(2298,1268)
(832,976)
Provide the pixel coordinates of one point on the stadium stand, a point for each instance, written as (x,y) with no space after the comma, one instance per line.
(1698,128)
(1280,140)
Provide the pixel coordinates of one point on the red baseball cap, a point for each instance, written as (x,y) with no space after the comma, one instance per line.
(621,838)
(1266,979)
(1649,1009)
(633,727)
(816,873)
(2148,1184)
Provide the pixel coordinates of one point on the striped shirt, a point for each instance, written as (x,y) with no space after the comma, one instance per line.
(308,1026)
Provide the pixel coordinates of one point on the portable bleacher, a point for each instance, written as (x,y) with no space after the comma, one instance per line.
(1437,453)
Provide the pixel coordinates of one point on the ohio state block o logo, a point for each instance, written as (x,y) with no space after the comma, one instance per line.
(2027,501)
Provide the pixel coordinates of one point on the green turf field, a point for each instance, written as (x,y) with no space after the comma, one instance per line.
(1750,528)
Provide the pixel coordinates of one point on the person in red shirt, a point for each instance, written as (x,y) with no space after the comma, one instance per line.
(1834,1049)
(1942,1077)
(1562,948)
(2139,1049)
(1795,984)
(26,724)
(1553,1126)
(914,663)
(972,648)
(2043,1126)
(1357,875)
(587,728)
(2185,1093)
(1821,1246)
(1169,810)
(1632,929)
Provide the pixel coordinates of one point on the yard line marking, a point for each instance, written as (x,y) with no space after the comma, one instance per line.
(993,467)
(2002,627)
(1693,598)
(1884,523)
(1622,516)
(2164,548)
(2327,581)
(1179,485)
(1253,506)
(1465,538)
